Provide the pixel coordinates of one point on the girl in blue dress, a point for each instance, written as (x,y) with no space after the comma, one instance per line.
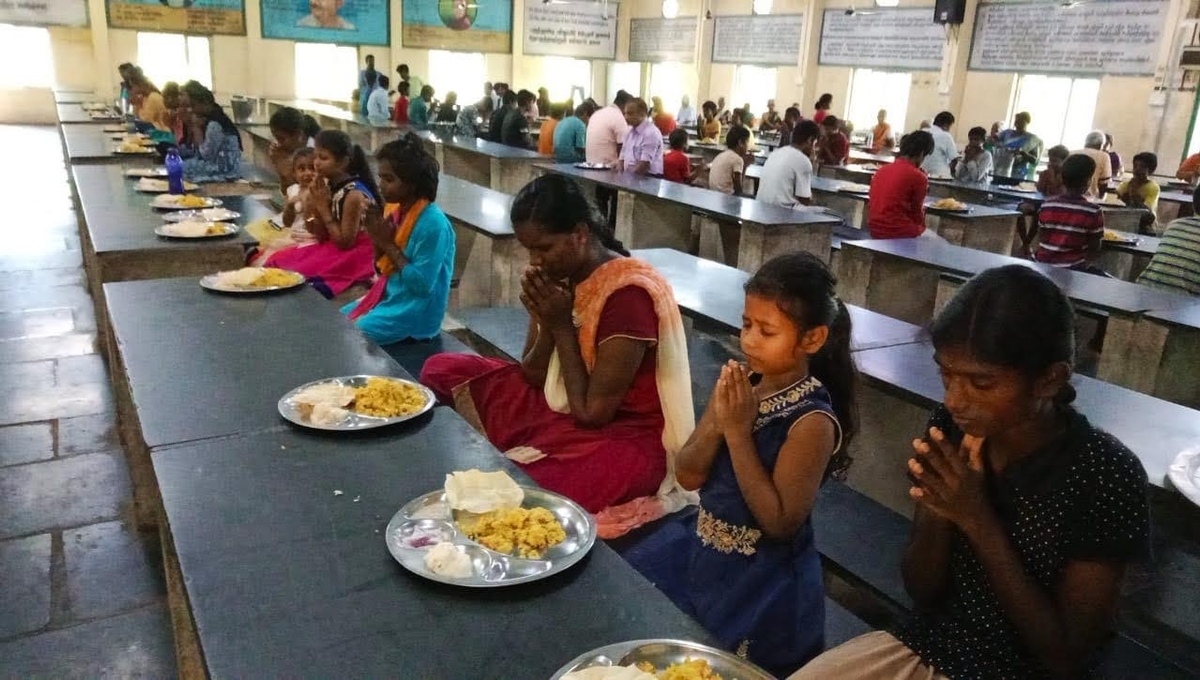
(743,563)
(414,247)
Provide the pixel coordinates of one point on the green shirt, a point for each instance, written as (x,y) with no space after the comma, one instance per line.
(1176,264)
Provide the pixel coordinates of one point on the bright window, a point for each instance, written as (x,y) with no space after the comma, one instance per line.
(30,48)
(753,84)
(460,72)
(624,75)
(666,82)
(568,78)
(871,91)
(325,71)
(1062,108)
(169,56)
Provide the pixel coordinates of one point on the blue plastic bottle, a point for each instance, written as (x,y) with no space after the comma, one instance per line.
(174,172)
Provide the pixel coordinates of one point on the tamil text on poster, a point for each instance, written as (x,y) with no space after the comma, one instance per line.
(204,17)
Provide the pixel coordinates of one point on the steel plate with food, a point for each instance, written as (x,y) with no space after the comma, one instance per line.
(854,188)
(196,229)
(160,186)
(483,530)
(1120,237)
(206,215)
(355,402)
(950,204)
(594,166)
(184,202)
(252,280)
(659,660)
(134,148)
(146,172)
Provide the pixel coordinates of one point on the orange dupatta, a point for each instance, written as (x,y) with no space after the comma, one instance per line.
(384,265)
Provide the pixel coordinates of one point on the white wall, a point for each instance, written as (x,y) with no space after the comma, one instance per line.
(1131,109)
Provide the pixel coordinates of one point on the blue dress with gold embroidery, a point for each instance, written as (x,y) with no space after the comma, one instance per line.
(762,598)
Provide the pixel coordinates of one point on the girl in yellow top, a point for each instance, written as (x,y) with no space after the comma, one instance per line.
(148,105)
(710,126)
(1141,191)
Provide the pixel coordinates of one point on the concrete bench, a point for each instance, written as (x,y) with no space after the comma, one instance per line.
(412,354)
(488,259)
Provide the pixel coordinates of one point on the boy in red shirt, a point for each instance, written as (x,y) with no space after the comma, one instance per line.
(400,112)
(834,148)
(896,204)
(677,167)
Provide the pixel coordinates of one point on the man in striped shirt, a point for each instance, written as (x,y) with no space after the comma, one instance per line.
(1176,264)
(1070,228)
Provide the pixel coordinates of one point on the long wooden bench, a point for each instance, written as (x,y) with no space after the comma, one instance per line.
(657,213)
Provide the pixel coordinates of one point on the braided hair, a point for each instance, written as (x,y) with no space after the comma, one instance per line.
(806,291)
(558,205)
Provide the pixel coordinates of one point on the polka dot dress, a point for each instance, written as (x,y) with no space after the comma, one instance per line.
(1081,498)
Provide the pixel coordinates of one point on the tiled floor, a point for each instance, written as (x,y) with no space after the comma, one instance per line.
(81,591)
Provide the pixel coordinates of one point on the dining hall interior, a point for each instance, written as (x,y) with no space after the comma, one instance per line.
(600,339)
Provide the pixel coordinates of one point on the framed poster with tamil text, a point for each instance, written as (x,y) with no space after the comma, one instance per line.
(1106,37)
(760,40)
(900,39)
(457,25)
(343,22)
(580,31)
(44,12)
(658,40)
(195,17)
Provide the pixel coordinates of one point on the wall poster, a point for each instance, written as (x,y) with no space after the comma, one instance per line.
(345,22)
(460,25)
(577,31)
(203,17)
(44,12)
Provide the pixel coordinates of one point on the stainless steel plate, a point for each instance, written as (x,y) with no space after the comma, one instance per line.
(429,516)
(594,166)
(226,230)
(145,172)
(210,282)
(206,215)
(290,410)
(663,653)
(163,202)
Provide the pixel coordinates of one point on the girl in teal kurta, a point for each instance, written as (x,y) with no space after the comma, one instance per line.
(414,246)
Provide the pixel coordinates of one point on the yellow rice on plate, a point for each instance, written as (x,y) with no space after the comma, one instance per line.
(385,398)
(690,669)
(525,532)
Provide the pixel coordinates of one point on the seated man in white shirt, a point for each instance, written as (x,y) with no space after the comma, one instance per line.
(937,164)
(787,175)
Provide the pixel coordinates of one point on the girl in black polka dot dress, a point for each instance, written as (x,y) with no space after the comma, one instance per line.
(1026,515)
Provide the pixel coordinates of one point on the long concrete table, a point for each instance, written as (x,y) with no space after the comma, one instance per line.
(277,563)
(488,164)
(489,261)
(74,113)
(92,144)
(657,213)
(74,96)
(118,239)
(189,365)
(1159,355)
